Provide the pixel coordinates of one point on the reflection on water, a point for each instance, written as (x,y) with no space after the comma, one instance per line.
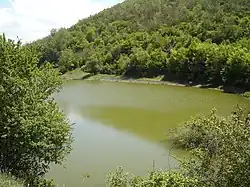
(99,149)
(118,124)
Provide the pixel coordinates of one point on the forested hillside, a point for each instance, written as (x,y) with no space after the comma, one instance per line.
(202,41)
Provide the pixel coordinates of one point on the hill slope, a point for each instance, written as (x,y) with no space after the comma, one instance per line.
(203,41)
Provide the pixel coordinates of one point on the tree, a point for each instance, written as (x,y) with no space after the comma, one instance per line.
(158,62)
(93,65)
(68,60)
(123,63)
(34,133)
(90,34)
(140,60)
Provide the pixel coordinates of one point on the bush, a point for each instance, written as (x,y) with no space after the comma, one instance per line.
(194,133)
(221,149)
(155,178)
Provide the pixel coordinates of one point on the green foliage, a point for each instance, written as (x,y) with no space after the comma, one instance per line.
(7,181)
(139,60)
(155,178)
(44,183)
(34,133)
(93,65)
(193,133)
(247,94)
(200,41)
(221,149)
(68,60)
(123,64)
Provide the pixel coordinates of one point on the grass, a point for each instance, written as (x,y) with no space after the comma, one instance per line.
(75,74)
(101,77)
(78,74)
(158,78)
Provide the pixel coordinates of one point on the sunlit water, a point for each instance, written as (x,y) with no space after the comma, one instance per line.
(123,124)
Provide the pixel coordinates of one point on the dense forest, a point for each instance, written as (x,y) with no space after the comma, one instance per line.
(198,41)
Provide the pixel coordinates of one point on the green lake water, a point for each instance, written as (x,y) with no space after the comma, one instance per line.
(123,124)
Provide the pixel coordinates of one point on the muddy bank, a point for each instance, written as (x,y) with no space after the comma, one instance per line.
(79,75)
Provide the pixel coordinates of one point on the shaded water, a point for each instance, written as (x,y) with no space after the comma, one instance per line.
(124,123)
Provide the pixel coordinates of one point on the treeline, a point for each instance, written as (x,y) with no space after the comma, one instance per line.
(195,40)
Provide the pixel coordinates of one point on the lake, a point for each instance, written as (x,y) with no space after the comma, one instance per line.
(123,124)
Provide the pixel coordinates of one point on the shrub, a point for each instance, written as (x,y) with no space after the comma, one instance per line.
(221,149)
(155,178)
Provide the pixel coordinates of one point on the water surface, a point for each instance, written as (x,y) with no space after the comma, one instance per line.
(124,123)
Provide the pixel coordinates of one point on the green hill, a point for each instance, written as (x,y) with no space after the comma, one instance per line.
(203,41)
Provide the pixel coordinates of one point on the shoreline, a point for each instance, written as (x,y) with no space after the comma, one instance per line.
(148,81)
(80,75)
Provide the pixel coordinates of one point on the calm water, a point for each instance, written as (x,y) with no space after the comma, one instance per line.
(123,124)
